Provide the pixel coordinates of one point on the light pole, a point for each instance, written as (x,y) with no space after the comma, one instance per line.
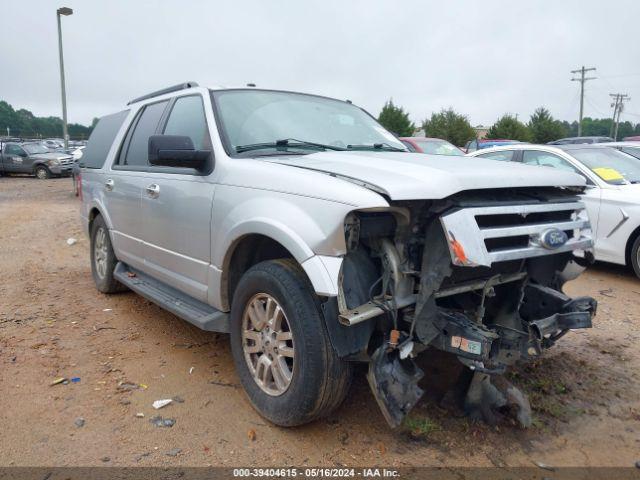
(66,11)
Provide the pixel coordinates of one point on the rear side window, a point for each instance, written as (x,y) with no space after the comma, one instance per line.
(136,146)
(503,156)
(187,119)
(101,139)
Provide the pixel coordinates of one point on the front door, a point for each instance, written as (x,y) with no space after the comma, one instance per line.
(176,209)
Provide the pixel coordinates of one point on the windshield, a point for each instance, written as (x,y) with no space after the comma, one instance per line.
(439,147)
(610,165)
(634,151)
(33,148)
(253,117)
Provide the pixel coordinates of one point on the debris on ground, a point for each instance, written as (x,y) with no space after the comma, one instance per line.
(140,415)
(60,380)
(158,421)
(71,241)
(141,456)
(107,309)
(106,459)
(129,386)
(158,404)
(75,379)
(191,370)
(79,422)
(178,399)
(173,452)
(252,435)
(222,384)
(545,466)
(608,293)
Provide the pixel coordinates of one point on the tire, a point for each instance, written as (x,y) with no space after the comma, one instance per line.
(635,256)
(319,379)
(42,172)
(103,260)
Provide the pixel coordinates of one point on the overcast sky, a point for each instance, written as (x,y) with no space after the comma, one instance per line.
(483,58)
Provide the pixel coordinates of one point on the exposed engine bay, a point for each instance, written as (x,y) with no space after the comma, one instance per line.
(478,275)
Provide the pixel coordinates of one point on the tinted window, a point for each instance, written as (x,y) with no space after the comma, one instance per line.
(187,119)
(13,150)
(545,159)
(138,147)
(101,139)
(503,156)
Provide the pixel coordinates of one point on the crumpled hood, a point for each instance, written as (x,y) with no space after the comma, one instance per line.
(413,176)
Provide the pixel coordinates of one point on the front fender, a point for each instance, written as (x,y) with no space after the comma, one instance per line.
(311,229)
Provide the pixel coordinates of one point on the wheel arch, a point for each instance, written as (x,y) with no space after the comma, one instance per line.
(630,241)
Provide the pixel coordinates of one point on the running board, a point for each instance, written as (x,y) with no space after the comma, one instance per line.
(180,304)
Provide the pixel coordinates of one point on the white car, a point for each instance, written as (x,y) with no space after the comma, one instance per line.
(612,196)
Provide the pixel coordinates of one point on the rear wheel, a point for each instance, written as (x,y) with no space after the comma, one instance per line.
(281,348)
(103,260)
(42,172)
(635,256)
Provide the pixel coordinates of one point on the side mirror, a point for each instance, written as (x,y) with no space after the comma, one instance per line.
(176,151)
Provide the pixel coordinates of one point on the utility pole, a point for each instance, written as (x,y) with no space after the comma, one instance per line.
(66,12)
(618,105)
(582,79)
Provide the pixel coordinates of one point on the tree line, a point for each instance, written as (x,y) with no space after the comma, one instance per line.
(541,127)
(24,124)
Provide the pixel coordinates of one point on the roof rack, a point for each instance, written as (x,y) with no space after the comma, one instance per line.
(175,88)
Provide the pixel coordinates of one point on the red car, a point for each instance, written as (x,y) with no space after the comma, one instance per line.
(433,146)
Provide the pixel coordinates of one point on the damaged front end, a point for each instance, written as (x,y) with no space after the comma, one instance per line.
(477,275)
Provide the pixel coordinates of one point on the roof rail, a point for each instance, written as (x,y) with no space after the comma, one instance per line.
(175,88)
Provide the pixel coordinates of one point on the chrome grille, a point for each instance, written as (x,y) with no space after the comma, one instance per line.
(491,234)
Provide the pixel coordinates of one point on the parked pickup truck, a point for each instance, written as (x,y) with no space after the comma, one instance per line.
(33,158)
(306,230)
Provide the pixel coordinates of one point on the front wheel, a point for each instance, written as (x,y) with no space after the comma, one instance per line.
(42,172)
(635,256)
(281,348)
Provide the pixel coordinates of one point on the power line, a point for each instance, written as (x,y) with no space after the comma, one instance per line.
(582,80)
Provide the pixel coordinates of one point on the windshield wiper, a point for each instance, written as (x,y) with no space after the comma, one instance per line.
(376,146)
(286,143)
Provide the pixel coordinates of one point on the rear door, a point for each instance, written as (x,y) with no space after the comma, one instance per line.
(176,208)
(125,181)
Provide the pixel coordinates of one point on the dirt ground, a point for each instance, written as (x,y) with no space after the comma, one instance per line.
(127,353)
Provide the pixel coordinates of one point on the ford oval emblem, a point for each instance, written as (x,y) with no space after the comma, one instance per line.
(553,238)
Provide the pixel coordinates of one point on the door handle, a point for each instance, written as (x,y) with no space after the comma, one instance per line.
(153,190)
(108,185)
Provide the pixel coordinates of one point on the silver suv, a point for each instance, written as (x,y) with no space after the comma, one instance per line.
(303,228)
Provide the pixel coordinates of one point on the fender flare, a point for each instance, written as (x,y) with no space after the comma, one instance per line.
(322,271)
